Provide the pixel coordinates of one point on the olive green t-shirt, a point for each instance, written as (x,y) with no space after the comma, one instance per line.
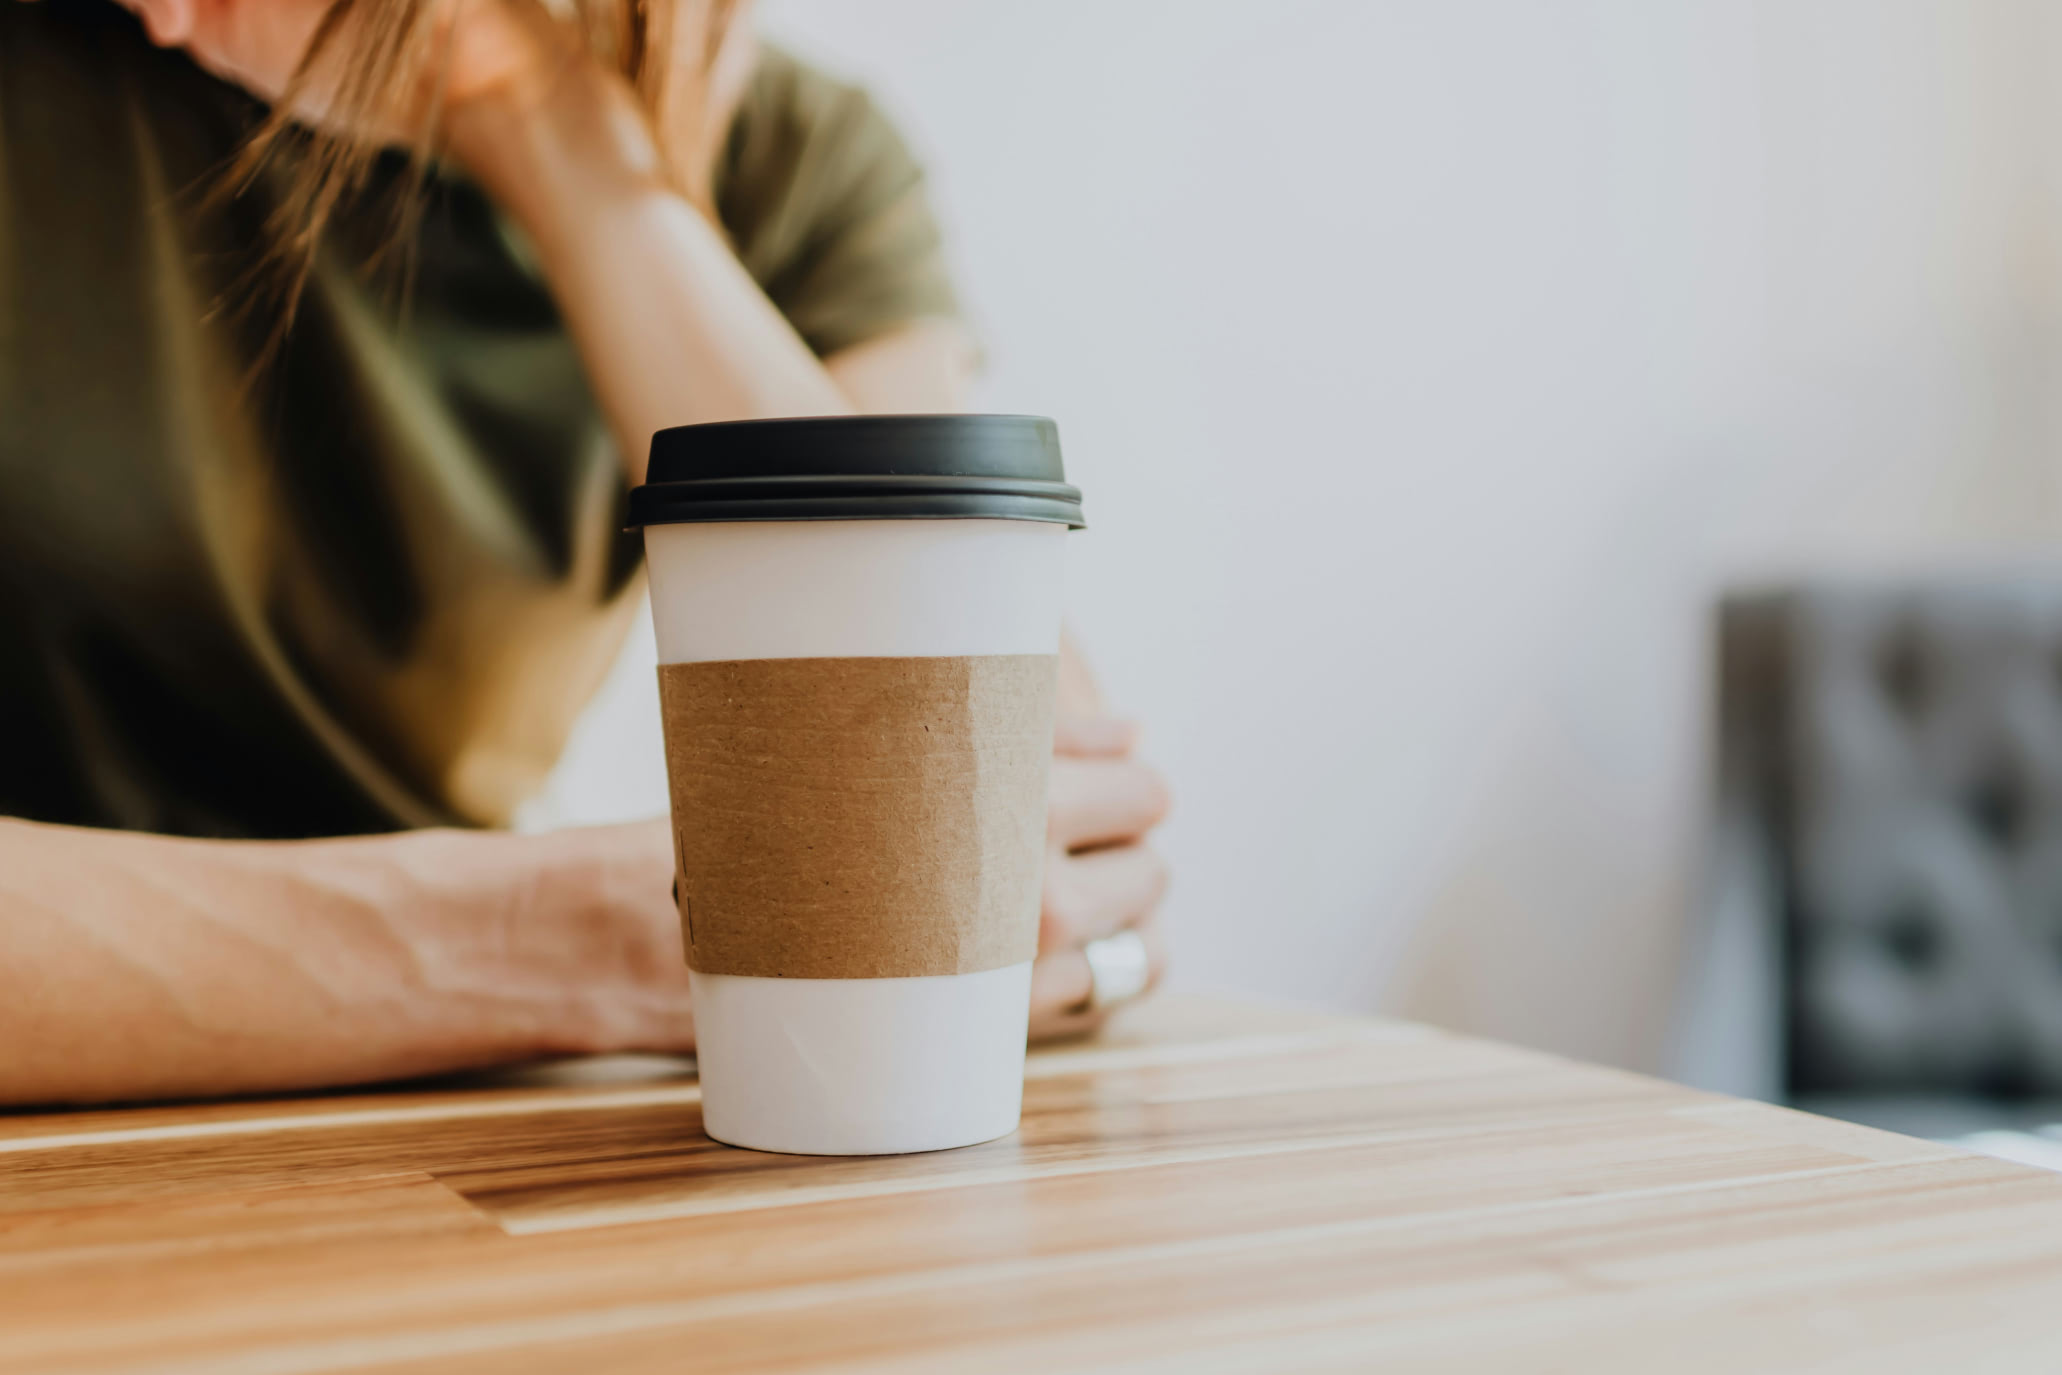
(371,584)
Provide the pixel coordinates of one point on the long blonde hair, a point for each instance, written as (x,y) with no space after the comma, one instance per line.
(372,59)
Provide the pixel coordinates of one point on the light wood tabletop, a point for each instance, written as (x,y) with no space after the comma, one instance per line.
(1207,1187)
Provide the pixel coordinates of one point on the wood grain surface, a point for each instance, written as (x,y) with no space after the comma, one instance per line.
(1207,1187)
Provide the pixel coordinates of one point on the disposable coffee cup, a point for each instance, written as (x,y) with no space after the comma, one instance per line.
(858,624)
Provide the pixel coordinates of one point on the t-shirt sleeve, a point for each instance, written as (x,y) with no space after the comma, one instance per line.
(828,211)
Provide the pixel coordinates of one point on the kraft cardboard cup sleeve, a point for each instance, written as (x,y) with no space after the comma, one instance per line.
(858,622)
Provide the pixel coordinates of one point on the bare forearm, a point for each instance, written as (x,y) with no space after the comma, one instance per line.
(672,328)
(142,966)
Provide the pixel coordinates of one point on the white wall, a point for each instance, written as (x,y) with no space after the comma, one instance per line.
(1427,366)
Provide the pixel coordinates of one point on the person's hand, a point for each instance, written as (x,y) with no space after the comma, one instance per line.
(470,46)
(604,935)
(1100,875)
(615,945)
(503,55)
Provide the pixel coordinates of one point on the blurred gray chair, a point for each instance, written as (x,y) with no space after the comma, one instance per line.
(1882,930)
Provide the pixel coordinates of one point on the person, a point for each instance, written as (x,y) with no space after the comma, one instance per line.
(331,336)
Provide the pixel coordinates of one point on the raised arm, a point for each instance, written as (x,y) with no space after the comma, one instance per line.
(672,327)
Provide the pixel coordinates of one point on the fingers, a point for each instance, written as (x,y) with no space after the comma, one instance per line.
(1061,983)
(1102,801)
(1092,895)
(1098,881)
(1091,736)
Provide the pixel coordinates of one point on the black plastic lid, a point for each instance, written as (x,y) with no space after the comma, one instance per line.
(858,467)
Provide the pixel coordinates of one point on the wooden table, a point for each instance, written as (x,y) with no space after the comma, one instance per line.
(1207,1188)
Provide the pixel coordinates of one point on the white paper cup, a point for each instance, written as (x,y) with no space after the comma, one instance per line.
(858,1066)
